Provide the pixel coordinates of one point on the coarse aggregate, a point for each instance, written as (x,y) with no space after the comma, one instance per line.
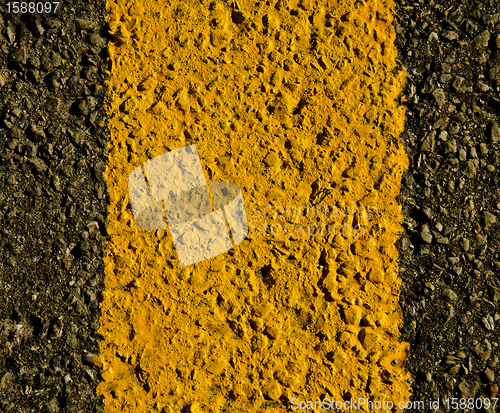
(449,259)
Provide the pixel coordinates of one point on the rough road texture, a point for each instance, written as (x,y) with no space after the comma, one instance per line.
(53,202)
(52,207)
(294,101)
(449,254)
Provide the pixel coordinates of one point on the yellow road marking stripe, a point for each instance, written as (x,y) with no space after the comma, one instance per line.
(294,101)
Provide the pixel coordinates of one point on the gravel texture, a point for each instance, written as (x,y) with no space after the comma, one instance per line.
(52,206)
(449,258)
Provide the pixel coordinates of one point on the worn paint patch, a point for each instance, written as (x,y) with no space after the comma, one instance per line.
(295,102)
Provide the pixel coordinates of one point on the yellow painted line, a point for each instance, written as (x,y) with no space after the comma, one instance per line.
(295,102)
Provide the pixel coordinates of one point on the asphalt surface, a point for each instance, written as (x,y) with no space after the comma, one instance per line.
(52,206)
(53,202)
(449,259)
